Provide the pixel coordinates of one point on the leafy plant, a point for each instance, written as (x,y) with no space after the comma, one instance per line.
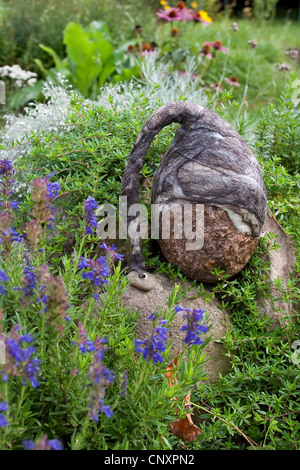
(278,129)
(86,145)
(91,58)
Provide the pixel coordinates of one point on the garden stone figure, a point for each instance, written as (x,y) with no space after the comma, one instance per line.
(208,165)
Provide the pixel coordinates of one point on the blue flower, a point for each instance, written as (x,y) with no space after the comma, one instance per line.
(90,205)
(154,344)
(55,444)
(13,204)
(42,444)
(194,327)
(28,444)
(29,281)
(4,376)
(6,168)
(26,338)
(85,344)
(53,190)
(3,276)
(15,236)
(105,409)
(3,421)
(3,406)
(112,252)
(97,272)
(21,358)
(100,376)
(152,316)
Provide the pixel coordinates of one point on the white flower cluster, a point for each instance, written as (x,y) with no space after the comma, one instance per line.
(37,118)
(21,77)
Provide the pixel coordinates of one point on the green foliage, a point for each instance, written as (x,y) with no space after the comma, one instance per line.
(91,58)
(26,24)
(264,9)
(255,405)
(256,68)
(65,324)
(86,145)
(278,129)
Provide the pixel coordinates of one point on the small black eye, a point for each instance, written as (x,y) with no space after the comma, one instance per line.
(143,276)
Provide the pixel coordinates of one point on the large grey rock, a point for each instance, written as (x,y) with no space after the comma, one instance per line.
(147,302)
(207,163)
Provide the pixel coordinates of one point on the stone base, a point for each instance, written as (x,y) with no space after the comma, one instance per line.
(224,247)
(147,302)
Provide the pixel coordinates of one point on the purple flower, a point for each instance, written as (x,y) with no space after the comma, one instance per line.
(15,236)
(55,444)
(152,316)
(42,444)
(90,205)
(53,189)
(154,344)
(84,344)
(87,345)
(42,193)
(20,359)
(96,273)
(6,168)
(3,421)
(194,327)
(112,252)
(54,297)
(175,14)
(6,173)
(29,281)
(4,376)
(3,406)
(3,278)
(100,376)
(124,383)
(28,444)
(13,204)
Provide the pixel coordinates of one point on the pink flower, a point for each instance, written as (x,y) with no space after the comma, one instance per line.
(217,45)
(172,14)
(178,13)
(216,86)
(192,76)
(206,51)
(232,81)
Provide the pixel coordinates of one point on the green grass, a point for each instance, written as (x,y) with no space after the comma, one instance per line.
(256,68)
(256,405)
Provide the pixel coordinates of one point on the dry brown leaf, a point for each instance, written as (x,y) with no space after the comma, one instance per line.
(170,372)
(183,428)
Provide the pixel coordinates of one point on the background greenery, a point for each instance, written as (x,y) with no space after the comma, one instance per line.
(85,140)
